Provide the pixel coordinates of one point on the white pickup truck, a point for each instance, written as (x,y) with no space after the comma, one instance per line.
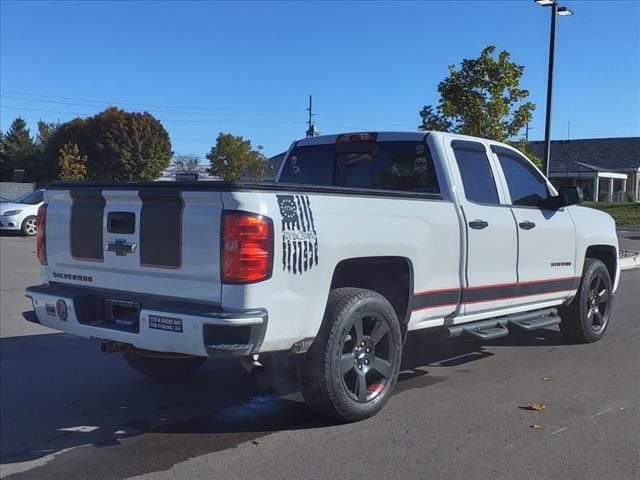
(363,237)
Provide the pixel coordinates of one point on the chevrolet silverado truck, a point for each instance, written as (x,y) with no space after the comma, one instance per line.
(362,238)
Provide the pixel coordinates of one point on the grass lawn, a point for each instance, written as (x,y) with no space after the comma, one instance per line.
(625,214)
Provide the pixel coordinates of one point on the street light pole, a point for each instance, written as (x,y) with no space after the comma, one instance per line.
(556,10)
(547,124)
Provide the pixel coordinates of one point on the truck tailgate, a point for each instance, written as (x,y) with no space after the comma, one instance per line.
(164,241)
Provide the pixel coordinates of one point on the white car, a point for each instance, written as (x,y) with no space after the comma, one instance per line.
(20,214)
(363,237)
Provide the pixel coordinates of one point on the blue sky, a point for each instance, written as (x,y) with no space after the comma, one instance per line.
(247,68)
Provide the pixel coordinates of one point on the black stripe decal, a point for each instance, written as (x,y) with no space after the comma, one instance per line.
(486,294)
(161,228)
(440,298)
(87,211)
(435,299)
(548,287)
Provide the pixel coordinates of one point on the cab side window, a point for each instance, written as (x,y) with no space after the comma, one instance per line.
(526,186)
(475,170)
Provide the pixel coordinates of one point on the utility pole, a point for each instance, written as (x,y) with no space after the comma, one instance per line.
(311,129)
(526,131)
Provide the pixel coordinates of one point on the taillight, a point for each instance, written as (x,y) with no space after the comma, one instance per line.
(247,247)
(41,239)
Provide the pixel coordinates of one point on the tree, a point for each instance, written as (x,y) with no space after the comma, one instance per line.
(125,146)
(18,149)
(18,139)
(45,132)
(433,119)
(45,164)
(525,147)
(482,98)
(3,157)
(232,156)
(73,165)
(53,137)
(186,162)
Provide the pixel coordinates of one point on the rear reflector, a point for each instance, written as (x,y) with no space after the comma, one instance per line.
(247,247)
(41,240)
(357,137)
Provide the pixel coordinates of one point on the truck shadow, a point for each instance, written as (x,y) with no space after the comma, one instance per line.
(59,392)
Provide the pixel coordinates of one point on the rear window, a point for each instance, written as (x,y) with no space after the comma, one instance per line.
(400,166)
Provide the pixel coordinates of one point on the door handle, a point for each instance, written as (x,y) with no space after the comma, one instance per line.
(478,224)
(527,225)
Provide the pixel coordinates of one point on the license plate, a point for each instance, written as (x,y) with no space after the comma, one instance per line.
(123,312)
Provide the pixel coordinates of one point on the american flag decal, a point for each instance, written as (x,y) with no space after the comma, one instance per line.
(299,236)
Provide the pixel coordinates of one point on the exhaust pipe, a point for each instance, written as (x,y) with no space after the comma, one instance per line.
(258,372)
(251,364)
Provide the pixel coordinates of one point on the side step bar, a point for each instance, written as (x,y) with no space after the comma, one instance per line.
(495,328)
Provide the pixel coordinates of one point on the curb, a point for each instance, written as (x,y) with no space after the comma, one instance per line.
(629,260)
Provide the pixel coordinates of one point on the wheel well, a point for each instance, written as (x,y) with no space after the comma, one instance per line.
(391,277)
(607,255)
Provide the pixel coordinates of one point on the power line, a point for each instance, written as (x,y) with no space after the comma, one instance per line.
(101,103)
(200,111)
(104,105)
(166,120)
(180,107)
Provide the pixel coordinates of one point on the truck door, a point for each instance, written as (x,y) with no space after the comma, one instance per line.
(546,237)
(491,232)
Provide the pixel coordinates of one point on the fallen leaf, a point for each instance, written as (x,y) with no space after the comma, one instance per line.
(535,426)
(536,406)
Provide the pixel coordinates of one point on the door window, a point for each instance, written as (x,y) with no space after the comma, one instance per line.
(526,186)
(477,177)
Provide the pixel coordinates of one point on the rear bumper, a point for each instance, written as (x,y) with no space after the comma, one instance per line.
(164,325)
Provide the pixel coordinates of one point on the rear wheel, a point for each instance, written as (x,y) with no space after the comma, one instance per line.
(163,368)
(352,367)
(29,227)
(586,319)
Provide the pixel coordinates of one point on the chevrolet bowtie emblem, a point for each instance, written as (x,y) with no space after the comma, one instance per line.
(121,247)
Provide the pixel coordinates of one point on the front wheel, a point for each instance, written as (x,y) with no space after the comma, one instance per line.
(351,369)
(163,368)
(29,226)
(586,319)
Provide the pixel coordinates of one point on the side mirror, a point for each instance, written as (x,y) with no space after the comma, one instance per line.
(569,196)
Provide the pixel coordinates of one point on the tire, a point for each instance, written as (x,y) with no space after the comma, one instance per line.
(586,319)
(351,369)
(29,226)
(164,368)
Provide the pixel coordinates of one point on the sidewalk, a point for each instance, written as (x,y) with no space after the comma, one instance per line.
(629,240)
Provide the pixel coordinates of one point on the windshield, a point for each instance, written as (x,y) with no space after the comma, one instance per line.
(32,198)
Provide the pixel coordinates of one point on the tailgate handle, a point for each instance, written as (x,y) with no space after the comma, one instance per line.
(121,222)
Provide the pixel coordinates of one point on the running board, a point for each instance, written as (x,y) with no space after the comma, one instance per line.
(539,321)
(495,328)
(491,333)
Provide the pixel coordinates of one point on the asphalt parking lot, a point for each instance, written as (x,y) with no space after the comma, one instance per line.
(70,412)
